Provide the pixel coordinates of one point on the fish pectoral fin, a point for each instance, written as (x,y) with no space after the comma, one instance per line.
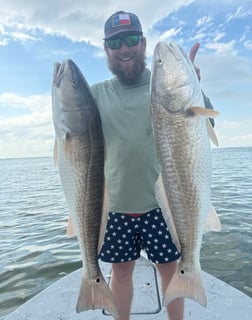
(55,153)
(67,146)
(70,228)
(104,217)
(95,294)
(163,203)
(211,133)
(187,285)
(212,221)
(202,111)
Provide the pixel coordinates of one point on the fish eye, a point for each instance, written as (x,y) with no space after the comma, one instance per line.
(160,62)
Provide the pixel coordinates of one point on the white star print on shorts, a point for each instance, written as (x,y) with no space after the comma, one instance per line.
(127,234)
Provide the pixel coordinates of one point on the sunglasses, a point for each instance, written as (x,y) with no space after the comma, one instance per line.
(116,43)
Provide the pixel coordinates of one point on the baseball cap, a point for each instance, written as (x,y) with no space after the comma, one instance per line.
(121,22)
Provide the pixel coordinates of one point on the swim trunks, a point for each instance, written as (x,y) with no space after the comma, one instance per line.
(127,234)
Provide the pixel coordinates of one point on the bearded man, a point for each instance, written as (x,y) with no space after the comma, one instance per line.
(135,221)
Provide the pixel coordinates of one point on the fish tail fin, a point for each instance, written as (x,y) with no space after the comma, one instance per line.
(95,294)
(186,286)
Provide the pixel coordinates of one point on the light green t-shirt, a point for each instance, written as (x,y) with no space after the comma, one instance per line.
(131,166)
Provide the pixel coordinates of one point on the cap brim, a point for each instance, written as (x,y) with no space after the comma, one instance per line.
(129,31)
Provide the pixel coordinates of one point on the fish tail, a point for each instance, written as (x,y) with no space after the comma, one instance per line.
(188,285)
(95,294)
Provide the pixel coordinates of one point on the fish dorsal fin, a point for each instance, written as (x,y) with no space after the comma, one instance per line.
(202,111)
(211,133)
(163,203)
(104,217)
(212,221)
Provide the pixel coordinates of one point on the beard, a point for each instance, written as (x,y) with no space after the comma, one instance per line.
(130,74)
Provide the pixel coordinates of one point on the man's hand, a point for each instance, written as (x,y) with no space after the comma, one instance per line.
(192,56)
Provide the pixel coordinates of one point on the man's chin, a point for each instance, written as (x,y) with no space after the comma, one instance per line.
(129,78)
(128,75)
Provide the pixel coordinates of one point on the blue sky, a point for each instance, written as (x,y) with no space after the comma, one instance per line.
(35,34)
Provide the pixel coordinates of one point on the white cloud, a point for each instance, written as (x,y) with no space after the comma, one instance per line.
(222,48)
(170,33)
(204,21)
(3,42)
(198,37)
(235,133)
(34,102)
(28,133)
(21,36)
(219,36)
(248,44)
(76,20)
(242,11)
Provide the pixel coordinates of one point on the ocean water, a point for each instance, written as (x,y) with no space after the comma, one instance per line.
(34,251)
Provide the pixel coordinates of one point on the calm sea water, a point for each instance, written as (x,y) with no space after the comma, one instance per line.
(34,251)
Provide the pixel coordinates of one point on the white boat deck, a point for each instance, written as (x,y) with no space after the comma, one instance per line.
(57,302)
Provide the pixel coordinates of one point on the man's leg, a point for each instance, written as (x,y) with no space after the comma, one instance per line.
(122,287)
(175,309)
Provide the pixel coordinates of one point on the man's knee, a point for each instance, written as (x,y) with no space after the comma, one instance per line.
(123,271)
(167,270)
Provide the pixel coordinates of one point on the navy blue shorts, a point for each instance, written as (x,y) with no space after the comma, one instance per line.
(126,235)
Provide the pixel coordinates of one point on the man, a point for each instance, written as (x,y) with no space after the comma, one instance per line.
(131,166)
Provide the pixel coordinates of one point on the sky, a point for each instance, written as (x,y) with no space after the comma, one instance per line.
(36,34)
